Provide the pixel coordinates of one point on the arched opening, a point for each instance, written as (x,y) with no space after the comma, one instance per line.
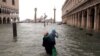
(0,10)
(14,19)
(8,20)
(4,11)
(99,16)
(92,18)
(76,19)
(85,18)
(80,19)
(4,20)
(0,20)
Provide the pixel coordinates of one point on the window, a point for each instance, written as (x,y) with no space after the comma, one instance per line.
(13,2)
(4,0)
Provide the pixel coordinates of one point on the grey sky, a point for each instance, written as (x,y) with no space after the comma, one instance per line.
(26,8)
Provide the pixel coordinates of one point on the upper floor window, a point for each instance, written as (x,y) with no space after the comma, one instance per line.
(4,0)
(13,2)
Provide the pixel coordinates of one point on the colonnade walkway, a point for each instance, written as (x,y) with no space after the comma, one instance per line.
(71,42)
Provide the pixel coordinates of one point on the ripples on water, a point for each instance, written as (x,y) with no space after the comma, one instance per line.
(71,41)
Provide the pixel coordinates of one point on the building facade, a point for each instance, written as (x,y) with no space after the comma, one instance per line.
(82,14)
(9,10)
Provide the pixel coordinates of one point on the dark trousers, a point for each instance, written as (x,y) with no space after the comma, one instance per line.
(49,50)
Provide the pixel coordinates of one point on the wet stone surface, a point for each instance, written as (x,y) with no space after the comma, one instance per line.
(71,41)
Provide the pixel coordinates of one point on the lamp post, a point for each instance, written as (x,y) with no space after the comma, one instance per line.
(14,25)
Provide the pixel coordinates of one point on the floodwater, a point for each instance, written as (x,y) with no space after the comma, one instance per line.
(71,42)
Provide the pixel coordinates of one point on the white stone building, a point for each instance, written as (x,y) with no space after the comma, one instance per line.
(82,14)
(9,10)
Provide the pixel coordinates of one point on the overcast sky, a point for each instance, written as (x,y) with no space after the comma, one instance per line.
(26,8)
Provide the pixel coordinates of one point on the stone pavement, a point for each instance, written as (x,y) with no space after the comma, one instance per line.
(71,41)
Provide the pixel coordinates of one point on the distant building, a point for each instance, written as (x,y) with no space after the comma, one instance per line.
(9,10)
(49,20)
(41,20)
(82,14)
(27,21)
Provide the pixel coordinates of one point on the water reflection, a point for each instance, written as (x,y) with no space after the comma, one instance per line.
(71,41)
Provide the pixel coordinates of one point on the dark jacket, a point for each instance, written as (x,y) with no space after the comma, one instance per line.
(52,36)
(47,41)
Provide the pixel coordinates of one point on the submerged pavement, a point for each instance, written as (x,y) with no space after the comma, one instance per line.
(71,42)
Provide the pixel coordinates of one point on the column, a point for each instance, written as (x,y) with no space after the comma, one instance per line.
(6,21)
(96,20)
(2,20)
(67,20)
(74,19)
(80,19)
(54,15)
(71,19)
(88,19)
(10,19)
(83,20)
(35,16)
(74,2)
(77,19)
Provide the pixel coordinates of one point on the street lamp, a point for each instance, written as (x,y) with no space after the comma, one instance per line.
(14,26)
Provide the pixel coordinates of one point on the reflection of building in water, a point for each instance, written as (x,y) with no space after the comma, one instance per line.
(82,13)
(9,11)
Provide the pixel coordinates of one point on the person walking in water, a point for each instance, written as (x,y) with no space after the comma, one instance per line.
(47,43)
(53,35)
